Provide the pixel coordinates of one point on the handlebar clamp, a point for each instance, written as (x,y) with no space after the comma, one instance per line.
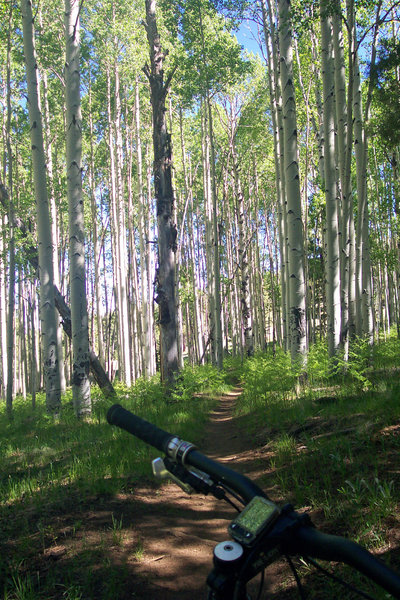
(178,450)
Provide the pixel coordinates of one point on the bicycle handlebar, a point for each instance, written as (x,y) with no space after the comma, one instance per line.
(308,541)
(162,440)
(304,540)
(231,479)
(145,431)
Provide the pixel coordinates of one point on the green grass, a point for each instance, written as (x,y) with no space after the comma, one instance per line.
(332,448)
(40,456)
(52,471)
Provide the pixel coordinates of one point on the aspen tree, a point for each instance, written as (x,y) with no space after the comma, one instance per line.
(79,314)
(52,205)
(258,271)
(146,314)
(271,38)
(232,261)
(9,385)
(343,112)
(243,258)
(165,201)
(330,184)
(47,300)
(188,189)
(367,292)
(3,312)
(120,226)
(96,245)
(209,245)
(297,325)
(98,371)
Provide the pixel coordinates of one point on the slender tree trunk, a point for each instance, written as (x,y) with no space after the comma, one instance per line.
(363,278)
(11,305)
(343,127)
(79,313)
(3,312)
(32,308)
(150,235)
(120,225)
(165,202)
(53,215)
(367,282)
(271,37)
(98,371)
(243,259)
(331,185)
(143,243)
(96,246)
(188,188)
(11,243)
(216,254)
(47,301)
(298,329)
(209,246)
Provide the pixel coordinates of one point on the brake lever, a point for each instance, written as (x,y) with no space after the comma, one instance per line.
(189,479)
(161,472)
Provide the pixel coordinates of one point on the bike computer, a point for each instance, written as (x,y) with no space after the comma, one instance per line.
(254,519)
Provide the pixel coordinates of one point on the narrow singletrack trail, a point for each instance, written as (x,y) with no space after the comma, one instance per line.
(177,532)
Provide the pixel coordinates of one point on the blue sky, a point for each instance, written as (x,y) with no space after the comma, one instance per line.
(247,36)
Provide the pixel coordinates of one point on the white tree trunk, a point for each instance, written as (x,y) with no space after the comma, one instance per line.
(143,244)
(165,203)
(47,304)
(53,215)
(298,338)
(332,269)
(3,315)
(79,313)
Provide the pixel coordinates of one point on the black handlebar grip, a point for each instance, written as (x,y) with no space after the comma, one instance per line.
(147,432)
(308,541)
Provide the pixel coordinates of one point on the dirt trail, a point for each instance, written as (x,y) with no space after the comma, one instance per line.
(178,532)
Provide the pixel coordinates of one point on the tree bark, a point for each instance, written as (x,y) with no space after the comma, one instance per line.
(3,313)
(298,330)
(146,315)
(9,384)
(165,202)
(246,314)
(53,215)
(79,313)
(332,264)
(47,303)
(96,245)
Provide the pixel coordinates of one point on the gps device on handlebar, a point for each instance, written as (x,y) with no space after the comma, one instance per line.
(262,532)
(253,521)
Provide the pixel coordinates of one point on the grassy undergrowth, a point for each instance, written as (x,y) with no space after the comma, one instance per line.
(332,448)
(51,469)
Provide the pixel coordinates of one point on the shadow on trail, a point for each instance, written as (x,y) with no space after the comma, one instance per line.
(155,543)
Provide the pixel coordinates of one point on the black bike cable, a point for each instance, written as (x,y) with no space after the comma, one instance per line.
(229,501)
(349,586)
(232,493)
(260,589)
(297,578)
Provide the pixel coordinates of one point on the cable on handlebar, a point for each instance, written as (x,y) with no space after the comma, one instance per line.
(334,577)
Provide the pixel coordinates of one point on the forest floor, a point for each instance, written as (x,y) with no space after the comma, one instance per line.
(178,532)
(156,542)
